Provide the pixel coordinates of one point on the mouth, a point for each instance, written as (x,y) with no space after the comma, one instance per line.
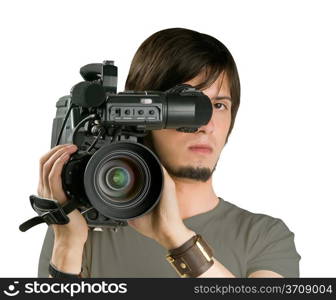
(201,148)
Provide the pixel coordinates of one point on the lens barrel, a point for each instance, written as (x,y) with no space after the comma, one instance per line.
(123,180)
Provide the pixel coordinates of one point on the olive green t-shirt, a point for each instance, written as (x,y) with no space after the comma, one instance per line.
(242,241)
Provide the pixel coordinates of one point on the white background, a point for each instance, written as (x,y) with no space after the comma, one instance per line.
(280,159)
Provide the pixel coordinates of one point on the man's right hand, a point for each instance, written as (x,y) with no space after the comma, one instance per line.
(50,186)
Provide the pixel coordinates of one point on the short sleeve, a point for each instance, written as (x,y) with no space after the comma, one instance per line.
(274,250)
(86,265)
(46,253)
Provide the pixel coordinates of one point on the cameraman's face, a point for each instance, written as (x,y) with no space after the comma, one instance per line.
(195,155)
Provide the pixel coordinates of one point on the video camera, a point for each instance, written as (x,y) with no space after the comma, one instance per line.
(113,176)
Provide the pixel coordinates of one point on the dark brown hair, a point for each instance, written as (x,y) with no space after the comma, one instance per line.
(176,55)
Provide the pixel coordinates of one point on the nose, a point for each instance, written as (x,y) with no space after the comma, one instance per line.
(208,128)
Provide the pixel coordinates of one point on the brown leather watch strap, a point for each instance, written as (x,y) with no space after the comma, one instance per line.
(192,258)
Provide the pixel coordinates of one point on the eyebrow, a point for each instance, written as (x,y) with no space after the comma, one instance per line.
(222,98)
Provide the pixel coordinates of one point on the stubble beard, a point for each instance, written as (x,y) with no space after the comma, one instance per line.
(202,174)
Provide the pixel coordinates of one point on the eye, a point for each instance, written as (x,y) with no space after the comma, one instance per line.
(220,106)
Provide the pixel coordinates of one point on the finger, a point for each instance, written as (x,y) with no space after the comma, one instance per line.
(47,167)
(45,158)
(167,178)
(55,179)
(40,192)
(50,162)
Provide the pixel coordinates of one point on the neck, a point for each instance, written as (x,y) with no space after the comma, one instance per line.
(194,197)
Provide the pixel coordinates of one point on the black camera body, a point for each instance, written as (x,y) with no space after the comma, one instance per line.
(113,176)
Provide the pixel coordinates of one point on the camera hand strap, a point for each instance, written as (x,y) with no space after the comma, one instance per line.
(49,211)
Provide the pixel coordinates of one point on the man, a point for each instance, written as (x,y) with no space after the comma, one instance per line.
(243,244)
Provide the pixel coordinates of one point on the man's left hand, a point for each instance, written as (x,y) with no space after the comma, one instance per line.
(164,223)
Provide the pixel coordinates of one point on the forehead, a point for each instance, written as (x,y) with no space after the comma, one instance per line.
(220,87)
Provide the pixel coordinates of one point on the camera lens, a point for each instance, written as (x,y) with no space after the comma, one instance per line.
(117,178)
(123,180)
